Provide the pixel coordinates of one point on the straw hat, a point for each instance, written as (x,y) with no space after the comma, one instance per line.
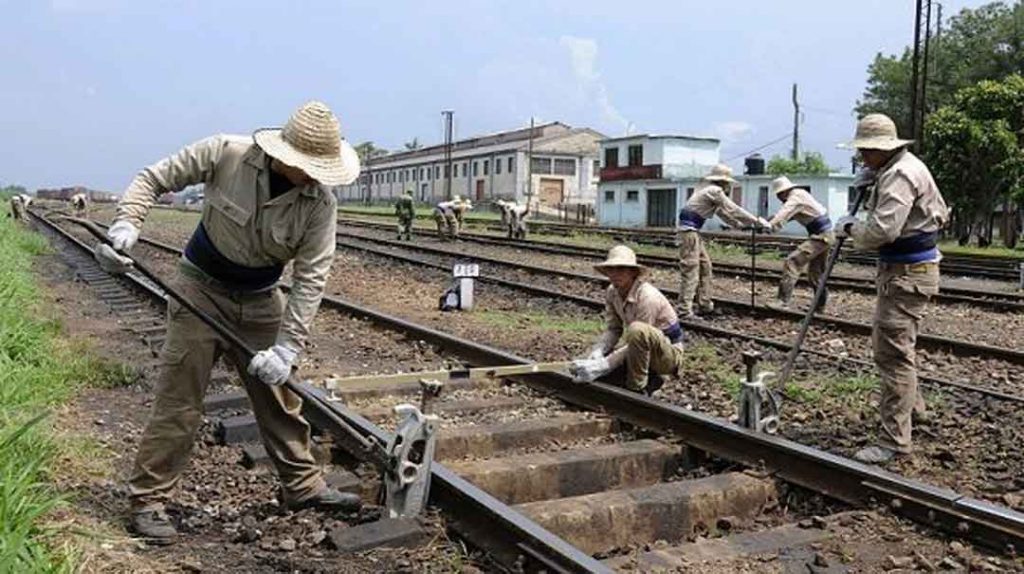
(311,141)
(720,172)
(781,184)
(877,131)
(466,203)
(619,256)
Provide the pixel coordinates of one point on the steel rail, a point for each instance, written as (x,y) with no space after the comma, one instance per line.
(1005,301)
(514,540)
(829,474)
(936,342)
(598,304)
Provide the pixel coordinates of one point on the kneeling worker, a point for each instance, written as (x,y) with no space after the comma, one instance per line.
(267,203)
(637,313)
(811,255)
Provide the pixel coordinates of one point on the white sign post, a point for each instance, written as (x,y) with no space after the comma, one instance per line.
(464,274)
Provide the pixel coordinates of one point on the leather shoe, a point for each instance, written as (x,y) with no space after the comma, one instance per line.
(153,525)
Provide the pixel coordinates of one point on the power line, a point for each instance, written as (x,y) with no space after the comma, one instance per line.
(786,136)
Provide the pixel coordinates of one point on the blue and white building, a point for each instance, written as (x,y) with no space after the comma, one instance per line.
(646,179)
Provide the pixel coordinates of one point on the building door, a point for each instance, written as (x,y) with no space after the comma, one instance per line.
(551,191)
(762,201)
(479,190)
(661,207)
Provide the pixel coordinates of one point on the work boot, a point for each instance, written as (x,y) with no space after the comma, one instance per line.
(329,499)
(654,382)
(875,454)
(154,525)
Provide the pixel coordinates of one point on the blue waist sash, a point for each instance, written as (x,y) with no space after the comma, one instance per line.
(688,217)
(819,225)
(912,249)
(674,332)
(204,254)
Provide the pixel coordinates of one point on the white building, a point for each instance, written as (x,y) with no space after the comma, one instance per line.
(486,168)
(646,179)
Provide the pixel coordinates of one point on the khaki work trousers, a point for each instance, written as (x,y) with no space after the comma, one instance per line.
(695,268)
(189,354)
(811,256)
(447,225)
(405,228)
(903,292)
(649,351)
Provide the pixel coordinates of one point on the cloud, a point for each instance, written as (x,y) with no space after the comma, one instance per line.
(583,59)
(733,131)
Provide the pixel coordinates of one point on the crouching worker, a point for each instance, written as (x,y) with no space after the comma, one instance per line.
(637,313)
(267,204)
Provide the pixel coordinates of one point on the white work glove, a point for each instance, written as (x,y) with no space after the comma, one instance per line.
(764,225)
(865,178)
(844,224)
(274,365)
(123,235)
(596,353)
(589,370)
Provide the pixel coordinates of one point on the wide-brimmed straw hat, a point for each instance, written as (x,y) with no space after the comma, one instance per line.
(311,141)
(619,256)
(877,131)
(720,172)
(781,184)
(466,203)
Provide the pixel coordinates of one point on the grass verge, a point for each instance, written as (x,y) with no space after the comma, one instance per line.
(38,371)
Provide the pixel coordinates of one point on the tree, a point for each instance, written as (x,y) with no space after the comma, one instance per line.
(976,155)
(368,151)
(413,145)
(813,163)
(11,190)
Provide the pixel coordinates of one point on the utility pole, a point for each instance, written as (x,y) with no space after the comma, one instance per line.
(529,166)
(447,153)
(914,91)
(796,126)
(924,76)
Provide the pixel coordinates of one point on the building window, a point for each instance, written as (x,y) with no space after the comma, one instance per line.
(497,166)
(437,172)
(565,167)
(487,166)
(447,172)
(737,195)
(762,201)
(476,168)
(510,163)
(421,173)
(636,155)
(597,168)
(465,169)
(541,165)
(611,157)
(632,195)
(609,196)
(689,192)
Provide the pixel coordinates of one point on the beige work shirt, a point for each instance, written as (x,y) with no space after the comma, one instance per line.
(801,206)
(710,200)
(644,303)
(906,202)
(244,223)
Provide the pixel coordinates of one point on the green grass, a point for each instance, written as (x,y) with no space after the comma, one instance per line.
(541,321)
(387,209)
(703,358)
(832,386)
(954,248)
(38,371)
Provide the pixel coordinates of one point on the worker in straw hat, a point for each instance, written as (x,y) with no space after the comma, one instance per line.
(799,204)
(459,209)
(905,215)
(405,209)
(637,313)
(267,204)
(445,218)
(710,199)
(17,207)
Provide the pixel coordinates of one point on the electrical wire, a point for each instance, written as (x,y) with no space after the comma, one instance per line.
(761,147)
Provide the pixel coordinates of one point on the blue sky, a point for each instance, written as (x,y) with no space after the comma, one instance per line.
(93,90)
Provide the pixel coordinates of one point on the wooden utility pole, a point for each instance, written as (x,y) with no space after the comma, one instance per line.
(447,153)
(914,85)
(529,167)
(919,136)
(796,126)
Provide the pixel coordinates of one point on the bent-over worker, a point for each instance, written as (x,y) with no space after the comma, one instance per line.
(80,202)
(811,255)
(18,207)
(405,209)
(267,204)
(639,314)
(708,200)
(904,217)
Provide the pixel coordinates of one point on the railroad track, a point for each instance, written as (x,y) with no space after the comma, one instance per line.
(627,494)
(980,266)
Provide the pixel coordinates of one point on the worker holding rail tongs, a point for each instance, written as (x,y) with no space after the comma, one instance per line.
(710,199)
(639,314)
(905,214)
(799,204)
(267,204)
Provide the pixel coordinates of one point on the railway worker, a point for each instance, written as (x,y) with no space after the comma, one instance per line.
(799,204)
(709,199)
(639,314)
(517,223)
(268,203)
(903,220)
(459,209)
(506,215)
(405,209)
(80,202)
(444,217)
(18,207)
